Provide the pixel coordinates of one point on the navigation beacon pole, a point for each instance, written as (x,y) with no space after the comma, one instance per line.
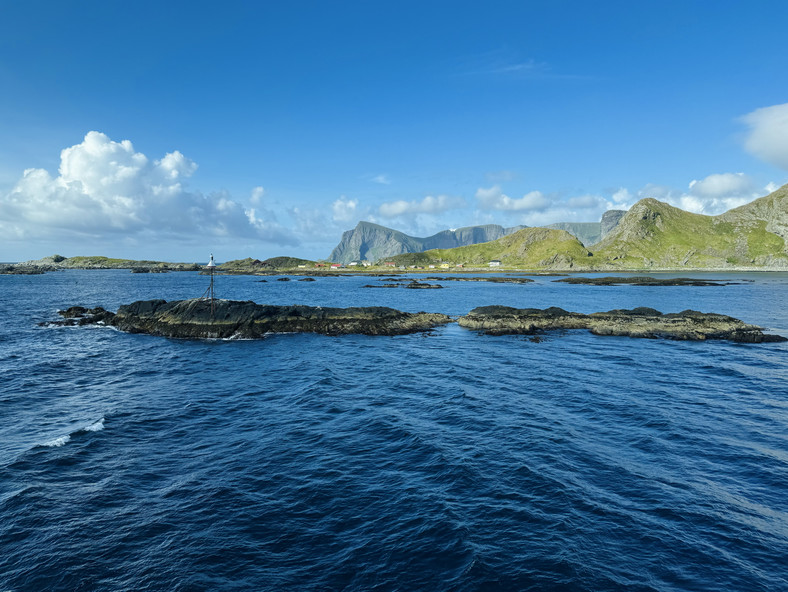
(211,266)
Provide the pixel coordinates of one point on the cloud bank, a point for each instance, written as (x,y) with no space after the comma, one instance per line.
(105,188)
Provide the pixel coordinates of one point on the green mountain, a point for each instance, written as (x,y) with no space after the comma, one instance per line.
(653,234)
(529,248)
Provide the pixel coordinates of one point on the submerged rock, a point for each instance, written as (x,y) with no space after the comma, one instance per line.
(195,319)
(639,322)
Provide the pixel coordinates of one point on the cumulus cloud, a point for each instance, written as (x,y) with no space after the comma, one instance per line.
(767,137)
(722,185)
(344,209)
(493,198)
(429,205)
(718,193)
(106,188)
(712,195)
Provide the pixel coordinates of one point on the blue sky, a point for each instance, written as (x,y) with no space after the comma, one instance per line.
(168,130)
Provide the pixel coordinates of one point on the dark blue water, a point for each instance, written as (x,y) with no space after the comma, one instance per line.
(449,461)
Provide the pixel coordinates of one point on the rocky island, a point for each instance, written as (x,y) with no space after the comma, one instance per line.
(642,322)
(199,318)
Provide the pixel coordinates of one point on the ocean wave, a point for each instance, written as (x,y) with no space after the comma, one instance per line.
(95,427)
(57,442)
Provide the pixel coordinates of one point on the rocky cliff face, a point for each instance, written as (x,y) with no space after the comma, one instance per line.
(373,242)
(610,220)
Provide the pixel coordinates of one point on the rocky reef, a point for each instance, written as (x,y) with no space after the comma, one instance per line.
(639,322)
(225,319)
(200,319)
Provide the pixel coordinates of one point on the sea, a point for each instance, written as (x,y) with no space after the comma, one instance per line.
(439,461)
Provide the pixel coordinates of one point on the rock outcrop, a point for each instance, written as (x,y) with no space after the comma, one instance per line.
(639,322)
(197,319)
(58,262)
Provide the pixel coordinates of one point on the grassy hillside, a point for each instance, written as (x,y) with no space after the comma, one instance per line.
(529,248)
(655,234)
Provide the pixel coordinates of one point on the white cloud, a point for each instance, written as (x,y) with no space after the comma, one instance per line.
(429,205)
(257,195)
(712,195)
(622,197)
(768,134)
(722,185)
(493,198)
(106,188)
(381,179)
(718,193)
(344,210)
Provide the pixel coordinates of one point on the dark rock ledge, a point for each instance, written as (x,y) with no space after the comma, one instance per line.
(639,322)
(192,319)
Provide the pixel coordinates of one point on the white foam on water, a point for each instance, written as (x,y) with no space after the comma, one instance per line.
(95,427)
(58,441)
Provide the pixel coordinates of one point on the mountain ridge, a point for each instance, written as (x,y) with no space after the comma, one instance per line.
(372,242)
(652,235)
